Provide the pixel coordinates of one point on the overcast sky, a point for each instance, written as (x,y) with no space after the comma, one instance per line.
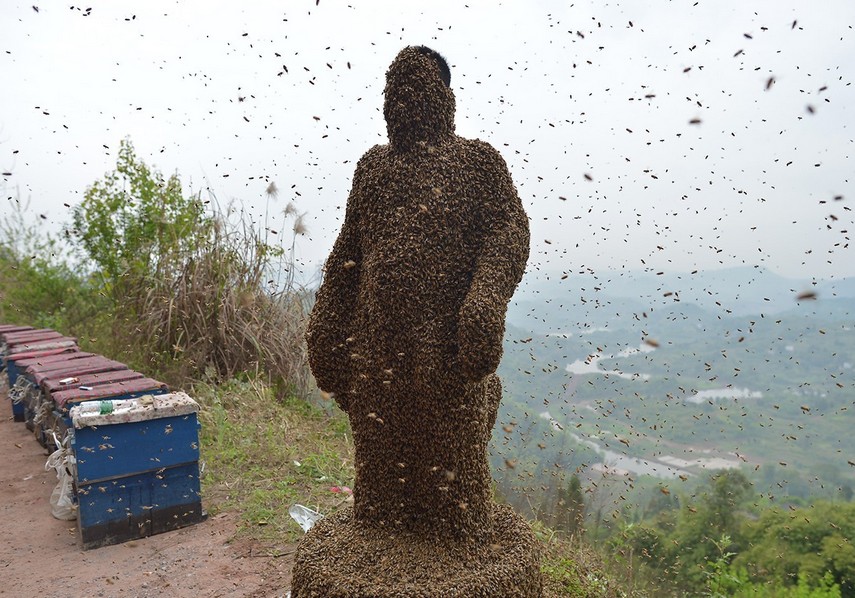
(234,95)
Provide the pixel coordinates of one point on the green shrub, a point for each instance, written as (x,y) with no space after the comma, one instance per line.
(195,290)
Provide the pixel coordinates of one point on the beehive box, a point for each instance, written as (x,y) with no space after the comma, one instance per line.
(17,363)
(14,341)
(72,364)
(37,354)
(12,362)
(10,328)
(115,385)
(16,331)
(137,470)
(57,384)
(8,339)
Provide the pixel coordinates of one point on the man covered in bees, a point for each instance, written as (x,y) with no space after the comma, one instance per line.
(406,334)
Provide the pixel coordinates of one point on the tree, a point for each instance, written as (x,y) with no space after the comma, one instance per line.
(570,510)
(37,285)
(661,499)
(701,526)
(133,217)
(729,489)
(193,289)
(806,544)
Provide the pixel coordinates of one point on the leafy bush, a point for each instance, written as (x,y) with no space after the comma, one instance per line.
(571,568)
(134,218)
(191,290)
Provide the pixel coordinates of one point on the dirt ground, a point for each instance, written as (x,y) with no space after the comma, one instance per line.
(40,556)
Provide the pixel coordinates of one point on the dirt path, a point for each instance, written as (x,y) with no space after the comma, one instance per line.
(40,556)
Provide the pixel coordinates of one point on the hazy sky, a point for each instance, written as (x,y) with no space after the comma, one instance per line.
(234,95)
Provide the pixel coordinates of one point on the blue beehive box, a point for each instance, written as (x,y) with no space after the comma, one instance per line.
(113,385)
(137,467)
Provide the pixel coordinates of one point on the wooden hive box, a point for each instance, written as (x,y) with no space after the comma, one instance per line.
(137,467)
(16,363)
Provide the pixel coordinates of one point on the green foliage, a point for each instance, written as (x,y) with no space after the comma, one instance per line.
(824,588)
(38,287)
(720,581)
(723,543)
(572,569)
(643,542)
(567,579)
(702,525)
(571,501)
(134,217)
(564,509)
(808,542)
(193,291)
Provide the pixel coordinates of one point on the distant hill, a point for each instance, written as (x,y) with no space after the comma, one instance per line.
(551,303)
(843,288)
(627,355)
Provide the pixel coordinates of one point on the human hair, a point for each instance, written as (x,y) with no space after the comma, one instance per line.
(444,71)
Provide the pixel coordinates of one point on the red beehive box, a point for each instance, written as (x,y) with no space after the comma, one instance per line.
(29,335)
(74,367)
(31,358)
(11,363)
(52,385)
(65,399)
(69,364)
(5,328)
(62,342)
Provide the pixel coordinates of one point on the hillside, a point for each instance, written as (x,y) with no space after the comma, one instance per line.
(674,375)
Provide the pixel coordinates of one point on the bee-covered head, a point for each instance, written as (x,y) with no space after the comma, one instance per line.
(419,104)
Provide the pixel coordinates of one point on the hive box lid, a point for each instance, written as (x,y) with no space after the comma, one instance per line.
(60,383)
(71,361)
(9,328)
(105,391)
(41,353)
(29,335)
(123,411)
(78,367)
(25,362)
(61,342)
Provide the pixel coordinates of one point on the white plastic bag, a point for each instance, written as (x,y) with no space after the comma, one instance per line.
(61,501)
(62,504)
(304,516)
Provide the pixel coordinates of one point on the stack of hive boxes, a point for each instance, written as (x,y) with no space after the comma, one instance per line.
(132,445)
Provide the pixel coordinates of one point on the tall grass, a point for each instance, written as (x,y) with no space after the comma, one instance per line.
(226,304)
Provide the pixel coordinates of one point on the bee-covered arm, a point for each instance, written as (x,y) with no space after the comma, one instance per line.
(499,268)
(330,323)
